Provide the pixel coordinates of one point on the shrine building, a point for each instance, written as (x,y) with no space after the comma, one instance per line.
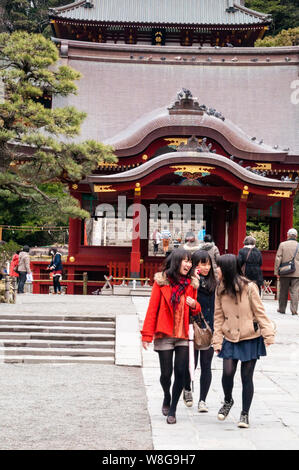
(204,125)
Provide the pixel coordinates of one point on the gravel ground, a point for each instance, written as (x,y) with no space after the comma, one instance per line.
(72,407)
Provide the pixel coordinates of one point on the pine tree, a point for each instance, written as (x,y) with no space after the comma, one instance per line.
(34,149)
(285,13)
(28,15)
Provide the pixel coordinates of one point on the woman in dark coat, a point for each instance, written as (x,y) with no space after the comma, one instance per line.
(56,267)
(250,259)
(203,269)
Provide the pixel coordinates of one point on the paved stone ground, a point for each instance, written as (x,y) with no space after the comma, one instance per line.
(274,415)
(70,305)
(73,407)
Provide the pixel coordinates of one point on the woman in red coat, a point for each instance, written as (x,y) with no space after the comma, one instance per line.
(173,299)
(14,262)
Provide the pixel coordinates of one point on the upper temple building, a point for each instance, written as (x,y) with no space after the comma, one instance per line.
(160,22)
(197,117)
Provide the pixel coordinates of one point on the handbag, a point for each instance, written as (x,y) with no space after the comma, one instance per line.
(255,323)
(289,267)
(202,336)
(243,269)
(16,270)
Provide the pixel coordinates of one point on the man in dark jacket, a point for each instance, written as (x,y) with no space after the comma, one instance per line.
(289,282)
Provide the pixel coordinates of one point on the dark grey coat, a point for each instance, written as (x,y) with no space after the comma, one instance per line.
(253,264)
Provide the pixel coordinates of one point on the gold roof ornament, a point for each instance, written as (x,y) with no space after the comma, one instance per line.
(106,188)
(280,193)
(262,166)
(193,169)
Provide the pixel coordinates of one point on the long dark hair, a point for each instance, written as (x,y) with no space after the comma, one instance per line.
(52,251)
(173,263)
(204,257)
(232,279)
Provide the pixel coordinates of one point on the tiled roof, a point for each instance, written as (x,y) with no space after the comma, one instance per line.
(197,12)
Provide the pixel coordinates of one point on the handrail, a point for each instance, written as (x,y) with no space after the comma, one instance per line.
(107,284)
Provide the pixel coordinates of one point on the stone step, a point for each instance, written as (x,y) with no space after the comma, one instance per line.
(109,345)
(56,336)
(64,323)
(57,360)
(54,352)
(84,318)
(55,329)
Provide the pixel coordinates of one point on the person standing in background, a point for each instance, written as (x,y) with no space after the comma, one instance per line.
(13,264)
(56,267)
(166,236)
(209,246)
(156,240)
(250,259)
(288,282)
(23,268)
(191,243)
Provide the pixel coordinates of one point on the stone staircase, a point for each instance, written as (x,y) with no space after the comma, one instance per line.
(57,339)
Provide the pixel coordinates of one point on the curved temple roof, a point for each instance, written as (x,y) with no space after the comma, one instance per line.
(195,158)
(192,12)
(135,137)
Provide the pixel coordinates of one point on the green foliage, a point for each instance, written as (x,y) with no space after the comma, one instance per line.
(34,151)
(296,212)
(29,15)
(285,13)
(262,239)
(256,224)
(288,37)
(7,250)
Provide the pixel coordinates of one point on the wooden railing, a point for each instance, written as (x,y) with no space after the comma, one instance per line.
(8,289)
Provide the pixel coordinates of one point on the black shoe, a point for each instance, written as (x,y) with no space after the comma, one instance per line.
(243,422)
(171,419)
(225,409)
(280,311)
(294,313)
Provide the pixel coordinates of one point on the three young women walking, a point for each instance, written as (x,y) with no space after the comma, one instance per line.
(173,300)
(242,330)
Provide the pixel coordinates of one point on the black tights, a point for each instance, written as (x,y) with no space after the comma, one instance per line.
(56,284)
(206,357)
(166,365)
(247,370)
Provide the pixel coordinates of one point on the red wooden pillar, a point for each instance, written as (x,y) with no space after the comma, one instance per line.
(219,230)
(232,228)
(74,236)
(36,275)
(241,226)
(74,230)
(237,228)
(70,277)
(135,253)
(286,217)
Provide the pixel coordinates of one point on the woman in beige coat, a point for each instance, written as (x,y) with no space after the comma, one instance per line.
(241,332)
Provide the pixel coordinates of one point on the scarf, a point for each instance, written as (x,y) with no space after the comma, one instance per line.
(178,289)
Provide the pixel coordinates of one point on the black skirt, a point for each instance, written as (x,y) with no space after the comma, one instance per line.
(243,350)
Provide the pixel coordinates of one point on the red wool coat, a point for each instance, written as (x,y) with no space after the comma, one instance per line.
(14,262)
(160,316)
